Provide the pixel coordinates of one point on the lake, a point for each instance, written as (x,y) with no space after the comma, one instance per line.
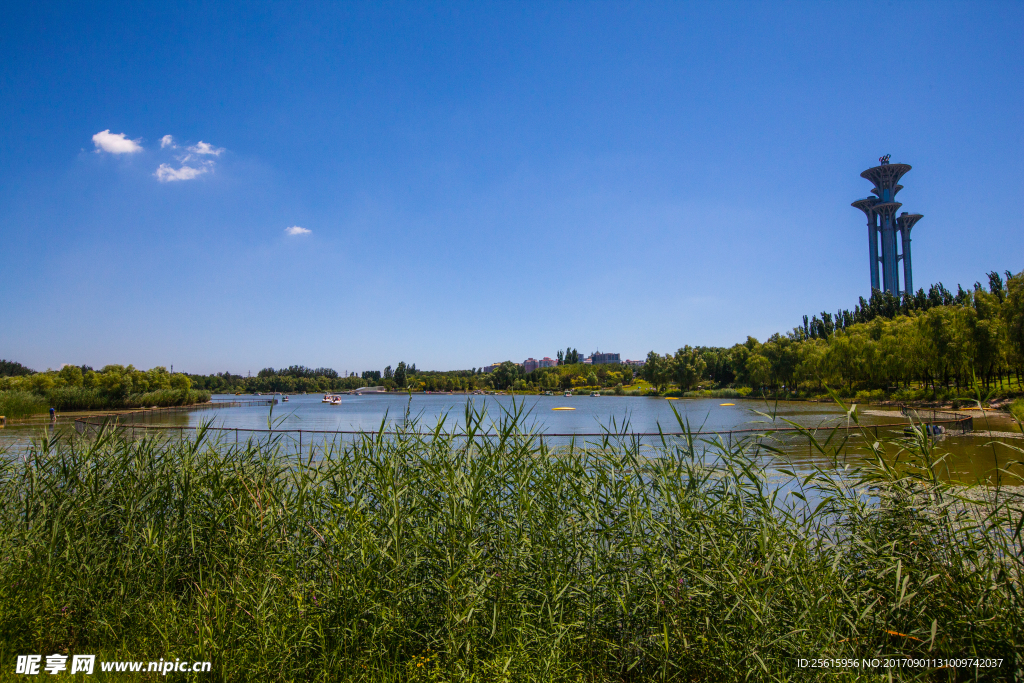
(970,456)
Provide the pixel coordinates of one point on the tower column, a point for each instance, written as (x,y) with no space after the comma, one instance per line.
(865,206)
(906,223)
(908,282)
(873,250)
(890,260)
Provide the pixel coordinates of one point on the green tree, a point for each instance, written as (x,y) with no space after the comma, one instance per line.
(401,374)
(72,375)
(759,370)
(657,371)
(505,375)
(687,367)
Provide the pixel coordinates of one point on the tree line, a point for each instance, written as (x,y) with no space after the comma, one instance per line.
(925,345)
(930,344)
(83,388)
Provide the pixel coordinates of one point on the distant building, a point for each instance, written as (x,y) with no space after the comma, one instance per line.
(599,358)
(634,363)
(531,364)
(589,360)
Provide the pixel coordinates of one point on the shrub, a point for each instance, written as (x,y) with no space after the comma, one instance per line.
(870,396)
(1017,409)
(15,404)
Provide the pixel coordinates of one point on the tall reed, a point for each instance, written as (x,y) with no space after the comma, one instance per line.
(452,556)
(15,404)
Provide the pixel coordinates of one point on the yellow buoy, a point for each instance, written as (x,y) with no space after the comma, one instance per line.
(726,404)
(671,398)
(563,409)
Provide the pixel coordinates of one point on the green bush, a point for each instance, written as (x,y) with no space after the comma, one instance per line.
(1017,409)
(719,393)
(77,398)
(15,404)
(81,398)
(870,396)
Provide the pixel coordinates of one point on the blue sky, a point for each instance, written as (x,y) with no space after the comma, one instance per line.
(482,181)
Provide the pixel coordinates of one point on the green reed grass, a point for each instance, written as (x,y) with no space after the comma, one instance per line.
(449,557)
(15,404)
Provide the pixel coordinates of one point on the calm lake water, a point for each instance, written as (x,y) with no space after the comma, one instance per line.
(971,457)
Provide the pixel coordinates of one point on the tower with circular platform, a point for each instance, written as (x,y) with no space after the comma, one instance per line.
(883,224)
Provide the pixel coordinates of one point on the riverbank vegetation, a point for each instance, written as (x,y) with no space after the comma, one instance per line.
(930,346)
(420,558)
(114,387)
(937,346)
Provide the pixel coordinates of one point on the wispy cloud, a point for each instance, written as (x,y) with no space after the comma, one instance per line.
(205,148)
(192,164)
(296,230)
(115,143)
(166,173)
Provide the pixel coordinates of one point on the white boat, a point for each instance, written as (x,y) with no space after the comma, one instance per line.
(335,400)
(594,393)
(285,398)
(568,393)
(326,399)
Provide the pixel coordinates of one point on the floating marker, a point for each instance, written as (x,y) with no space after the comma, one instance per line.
(726,404)
(563,409)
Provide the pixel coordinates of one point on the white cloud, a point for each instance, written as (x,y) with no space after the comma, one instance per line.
(115,143)
(166,173)
(205,148)
(191,165)
(296,230)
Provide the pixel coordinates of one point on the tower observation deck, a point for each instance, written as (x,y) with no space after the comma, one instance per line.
(883,224)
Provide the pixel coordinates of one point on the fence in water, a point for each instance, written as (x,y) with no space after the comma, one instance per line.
(301,439)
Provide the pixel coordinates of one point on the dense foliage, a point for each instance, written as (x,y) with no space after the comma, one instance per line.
(9,368)
(112,387)
(410,558)
(930,345)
